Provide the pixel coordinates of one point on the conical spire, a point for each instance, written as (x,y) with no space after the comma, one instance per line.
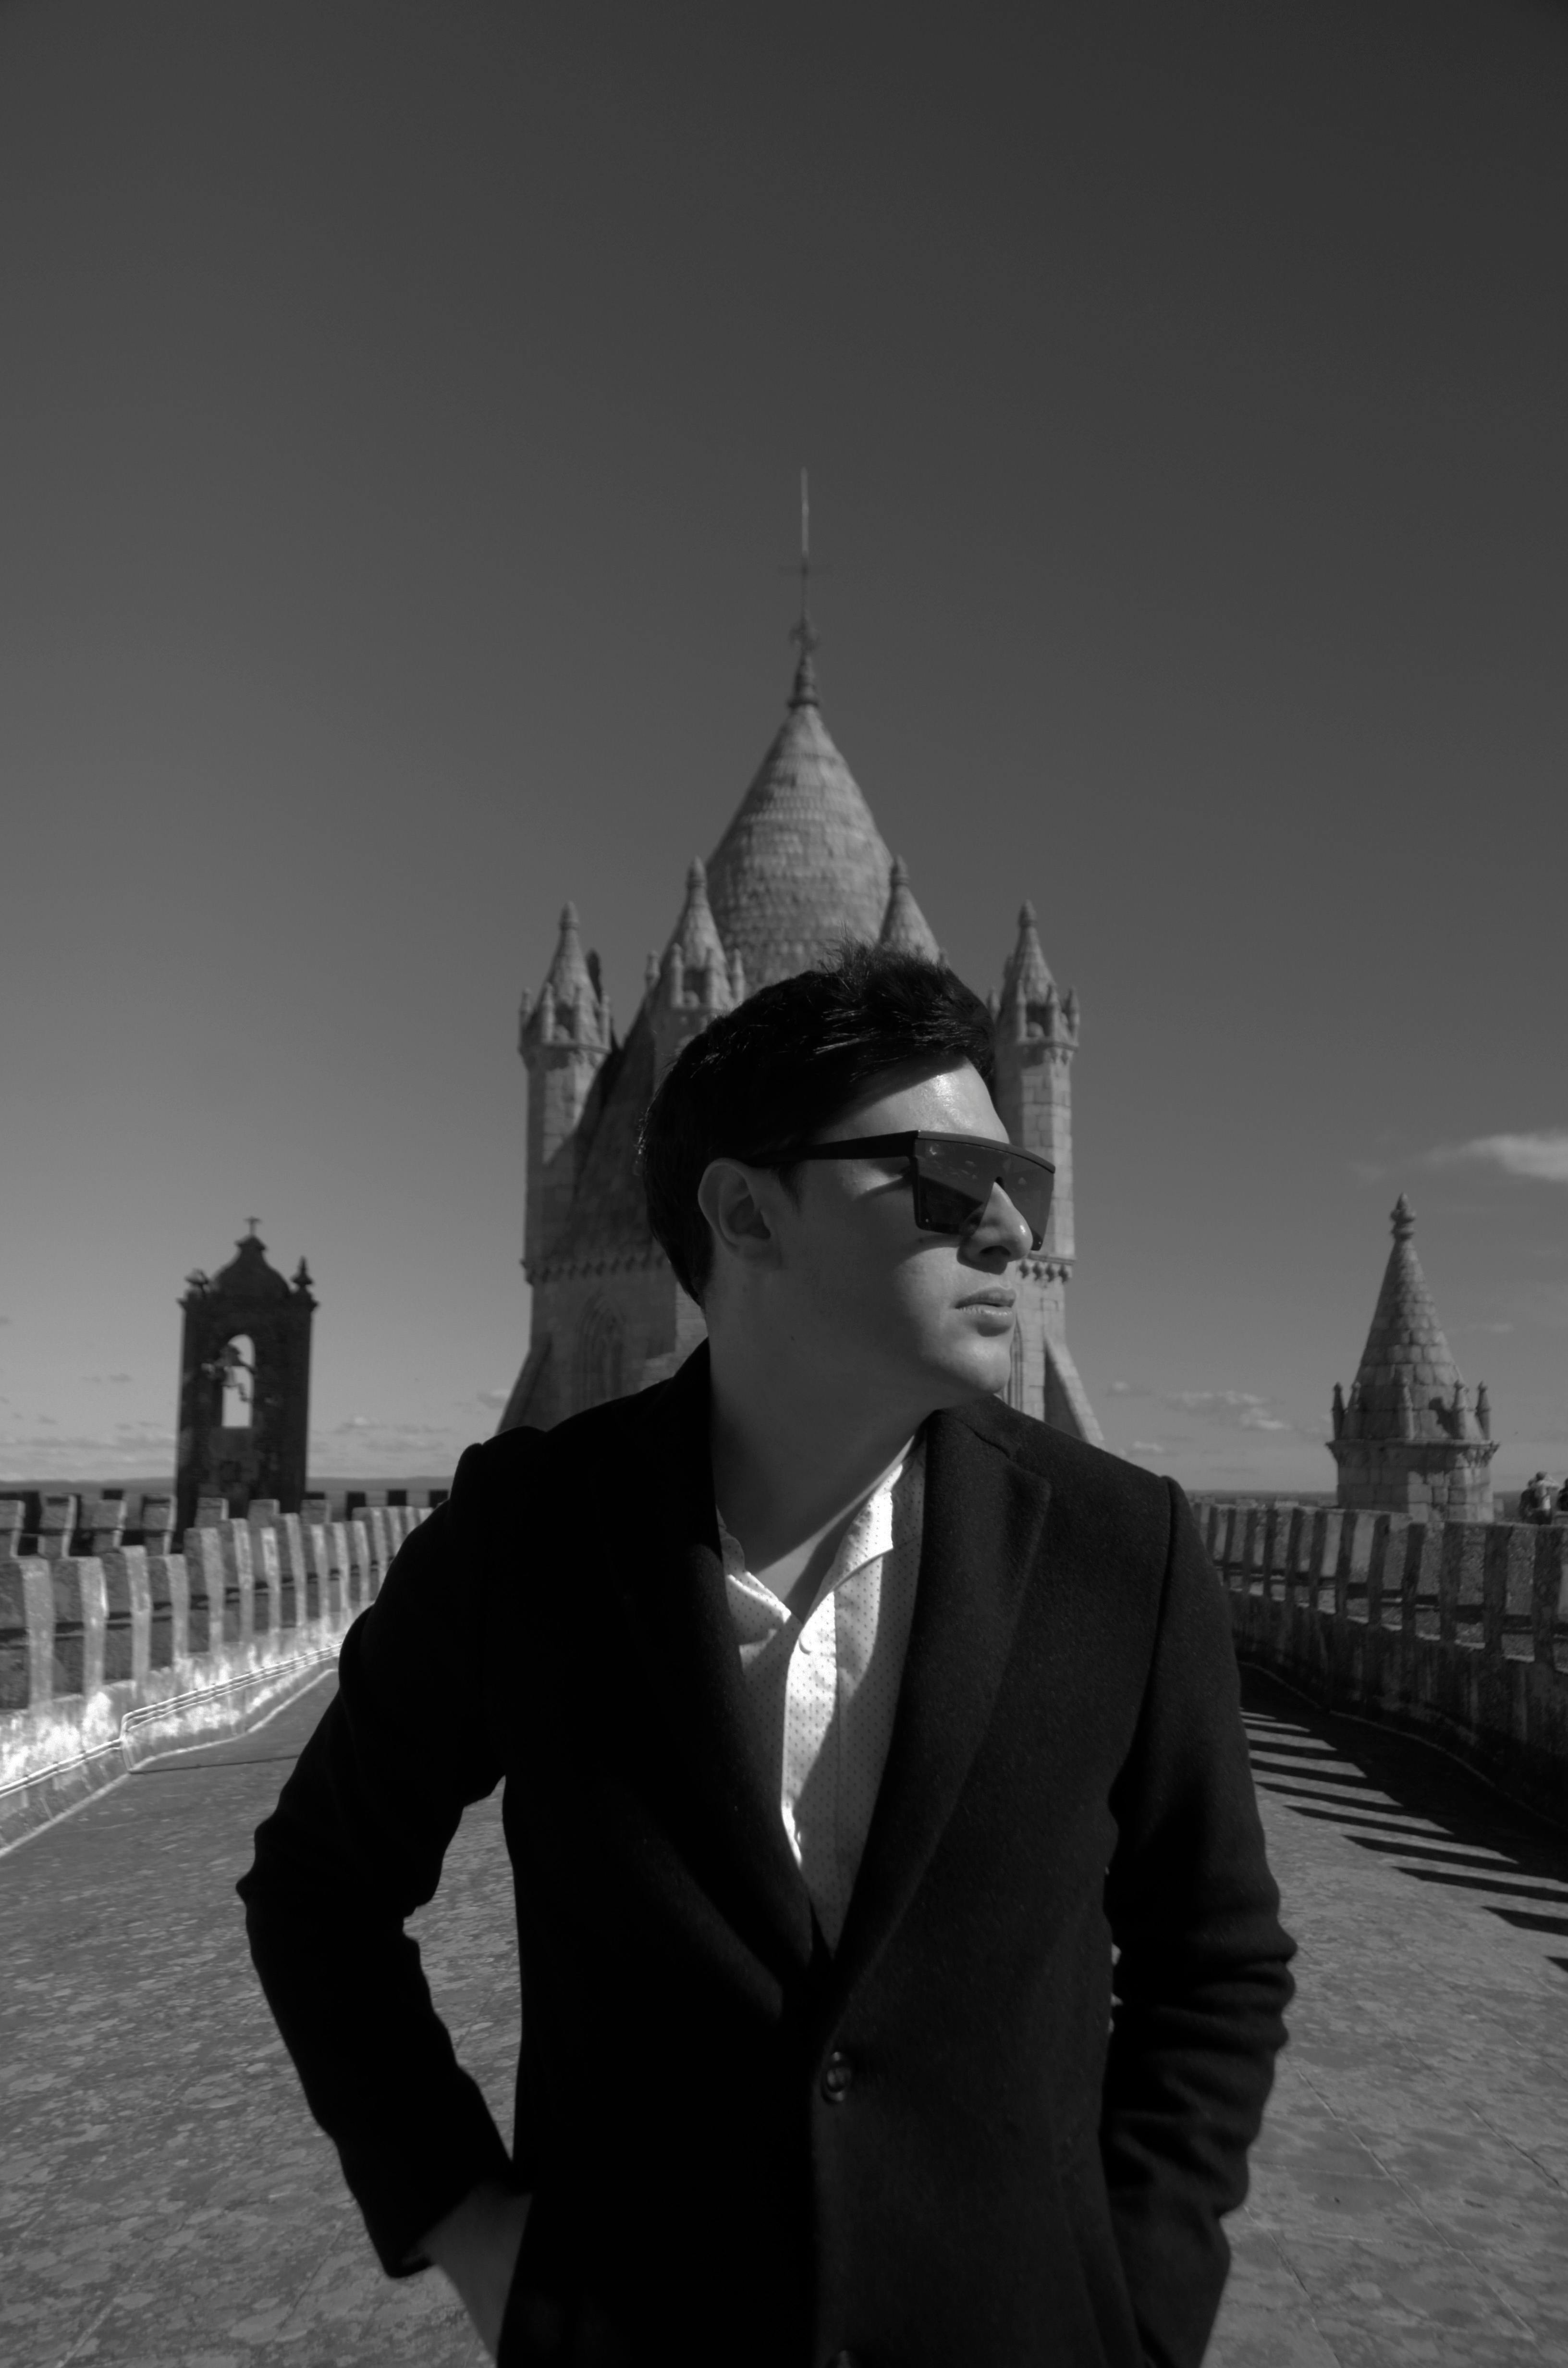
(1031,1007)
(1026,977)
(802,865)
(905,926)
(1407,1384)
(695,938)
(567,976)
(571,1007)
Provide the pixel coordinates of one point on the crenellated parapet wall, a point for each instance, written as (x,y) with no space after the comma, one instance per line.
(112,1656)
(1458,1630)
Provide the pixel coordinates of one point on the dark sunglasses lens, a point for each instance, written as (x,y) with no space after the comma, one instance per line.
(953,1183)
(943,1207)
(1028,1188)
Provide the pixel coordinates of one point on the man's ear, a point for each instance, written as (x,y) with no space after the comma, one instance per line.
(735,1200)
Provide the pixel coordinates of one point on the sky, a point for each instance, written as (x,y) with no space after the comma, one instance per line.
(401,413)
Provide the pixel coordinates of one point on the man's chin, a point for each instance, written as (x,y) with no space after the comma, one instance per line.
(976,1369)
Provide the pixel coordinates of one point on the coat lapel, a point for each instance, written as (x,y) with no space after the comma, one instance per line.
(682,1630)
(983,1515)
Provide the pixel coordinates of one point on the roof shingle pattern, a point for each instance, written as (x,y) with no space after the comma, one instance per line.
(802,865)
(1407,1370)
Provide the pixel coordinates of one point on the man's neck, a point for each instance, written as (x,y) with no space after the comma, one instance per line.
(791,1464)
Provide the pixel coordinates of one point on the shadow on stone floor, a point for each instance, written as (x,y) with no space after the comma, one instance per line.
(1407,1801)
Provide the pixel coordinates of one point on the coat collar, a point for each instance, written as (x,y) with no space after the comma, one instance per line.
(984,1513)
(681,1616)
(985,1509)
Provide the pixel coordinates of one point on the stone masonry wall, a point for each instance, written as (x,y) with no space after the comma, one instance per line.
(1457,1630)
(111,1656)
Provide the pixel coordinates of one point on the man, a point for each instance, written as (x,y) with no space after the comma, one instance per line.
(1537,1500)
(861,1738)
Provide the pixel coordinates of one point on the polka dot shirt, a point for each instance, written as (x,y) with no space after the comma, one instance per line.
(823,1690)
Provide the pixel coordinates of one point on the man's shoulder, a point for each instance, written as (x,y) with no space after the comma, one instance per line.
(1072,1467)
(517,1466)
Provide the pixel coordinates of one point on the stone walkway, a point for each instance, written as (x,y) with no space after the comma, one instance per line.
(166,2202)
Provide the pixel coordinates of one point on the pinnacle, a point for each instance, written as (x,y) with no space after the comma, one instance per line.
(695,938)
(804,693)
(1027,977)
(905,926)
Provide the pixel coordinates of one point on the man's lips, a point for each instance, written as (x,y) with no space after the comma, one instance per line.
(1003,1299)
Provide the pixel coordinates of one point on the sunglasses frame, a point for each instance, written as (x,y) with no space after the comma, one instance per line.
(906,1146)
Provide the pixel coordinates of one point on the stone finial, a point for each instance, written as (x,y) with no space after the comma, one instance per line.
(737,977)
(1336,1413)
(905,926)
(1402,1217)
(650,973)
(804,693)
(1482,1411)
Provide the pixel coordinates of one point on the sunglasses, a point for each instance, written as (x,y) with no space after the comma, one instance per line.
(953,1176)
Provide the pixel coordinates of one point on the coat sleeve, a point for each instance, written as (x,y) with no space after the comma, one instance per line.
(354,1846)
(1201,1983)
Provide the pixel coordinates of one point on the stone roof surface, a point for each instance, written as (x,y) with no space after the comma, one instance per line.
(905,926)
(248,1276)
(802,864)
(1405,1350)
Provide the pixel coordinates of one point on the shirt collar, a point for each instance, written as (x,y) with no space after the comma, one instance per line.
(868,1536)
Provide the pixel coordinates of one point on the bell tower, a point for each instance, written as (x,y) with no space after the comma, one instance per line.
(244,1390)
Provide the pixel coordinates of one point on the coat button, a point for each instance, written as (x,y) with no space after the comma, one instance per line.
(837,2080)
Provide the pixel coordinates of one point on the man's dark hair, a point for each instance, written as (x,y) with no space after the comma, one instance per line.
(792,1059)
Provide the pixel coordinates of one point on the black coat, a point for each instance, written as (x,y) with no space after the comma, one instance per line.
(938,2148)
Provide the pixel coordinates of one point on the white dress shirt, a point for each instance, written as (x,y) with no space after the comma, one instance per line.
(823,1690)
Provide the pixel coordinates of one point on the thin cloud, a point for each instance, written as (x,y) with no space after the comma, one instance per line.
(1150,1447)
(1242,1407)
(499,1398)
(1542,1158)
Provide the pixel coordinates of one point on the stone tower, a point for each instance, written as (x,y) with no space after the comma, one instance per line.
(801,868)
(1410,1437)
(244,1390)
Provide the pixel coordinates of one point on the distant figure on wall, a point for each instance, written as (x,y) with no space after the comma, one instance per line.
(1537,1502)
(902,1964)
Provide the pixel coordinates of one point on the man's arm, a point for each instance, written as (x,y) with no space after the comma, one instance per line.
(354,1847)
(477,2245)
(1201,1983)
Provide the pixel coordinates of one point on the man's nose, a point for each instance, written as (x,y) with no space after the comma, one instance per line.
(1000,1227)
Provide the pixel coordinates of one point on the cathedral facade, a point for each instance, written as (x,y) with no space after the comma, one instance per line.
(801,868)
